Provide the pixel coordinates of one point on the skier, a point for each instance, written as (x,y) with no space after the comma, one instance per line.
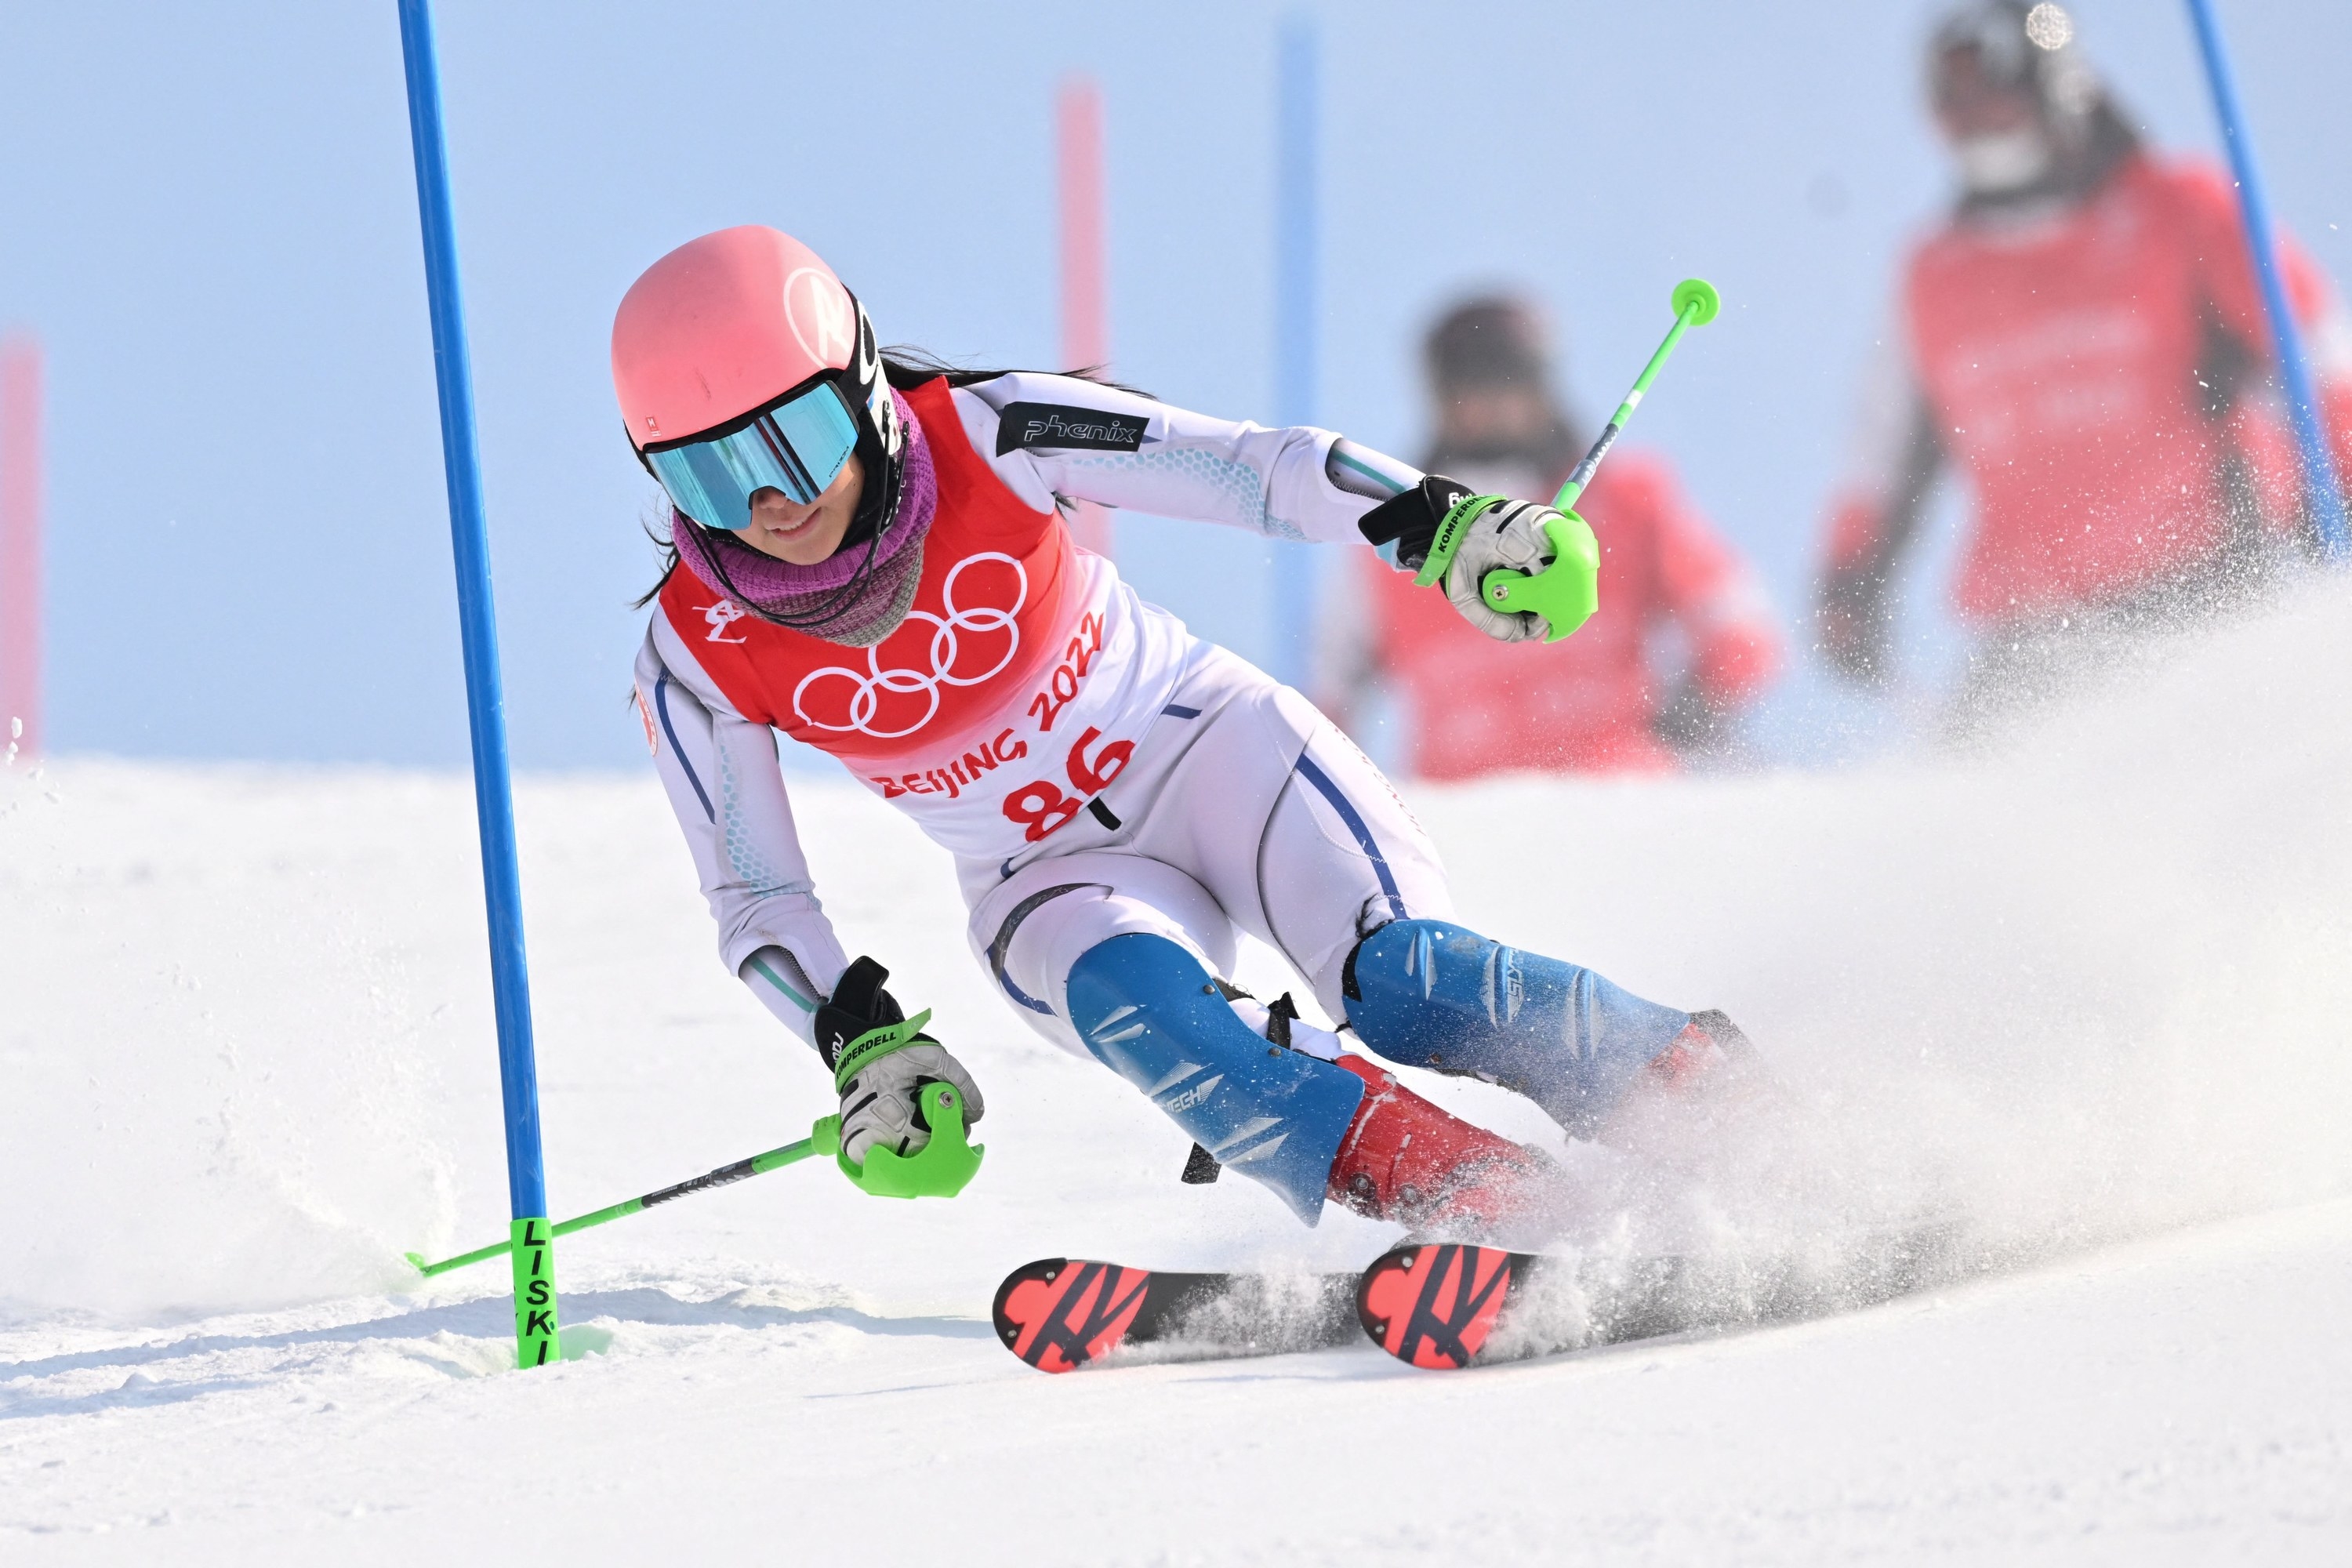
(870,552)
(1594,703)
(2083,339)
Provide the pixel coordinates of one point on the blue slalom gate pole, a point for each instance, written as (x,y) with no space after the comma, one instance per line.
(1295,305)
(2301,394)
(535,1328)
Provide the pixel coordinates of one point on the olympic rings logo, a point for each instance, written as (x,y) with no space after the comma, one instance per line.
(867,689)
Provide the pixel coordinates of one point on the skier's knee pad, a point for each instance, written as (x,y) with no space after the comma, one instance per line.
(1151,1012)
(1435,995)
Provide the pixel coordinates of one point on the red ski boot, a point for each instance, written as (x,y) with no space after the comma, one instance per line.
(1709,1058)
(1408,1160)
(1709,1076)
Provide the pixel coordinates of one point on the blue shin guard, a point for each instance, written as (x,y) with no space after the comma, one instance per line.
(1434,996)
(1147,1008)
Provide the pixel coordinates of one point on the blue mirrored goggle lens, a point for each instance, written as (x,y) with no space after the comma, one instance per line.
(798,448)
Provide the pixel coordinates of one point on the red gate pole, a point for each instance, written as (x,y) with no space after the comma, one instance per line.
(1085,305)
(20,547)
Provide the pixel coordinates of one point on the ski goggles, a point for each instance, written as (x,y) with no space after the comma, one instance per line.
(796,445)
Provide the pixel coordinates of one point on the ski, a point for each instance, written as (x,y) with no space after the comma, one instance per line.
(1065,1314)
(1449,1305)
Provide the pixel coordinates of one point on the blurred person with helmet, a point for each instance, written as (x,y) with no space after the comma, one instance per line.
(2083,339)
(1596,703)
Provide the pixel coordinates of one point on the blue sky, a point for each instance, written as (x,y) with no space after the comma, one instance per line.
(213,227)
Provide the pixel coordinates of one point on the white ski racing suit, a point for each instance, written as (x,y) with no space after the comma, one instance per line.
(1202,797)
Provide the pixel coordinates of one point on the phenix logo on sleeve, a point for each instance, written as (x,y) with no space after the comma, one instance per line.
(1053,424)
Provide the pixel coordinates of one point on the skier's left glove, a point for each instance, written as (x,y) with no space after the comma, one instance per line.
(1509,537)
(1409,519)
(880,1064)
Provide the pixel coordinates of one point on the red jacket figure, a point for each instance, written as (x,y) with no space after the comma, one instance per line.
(2084,341)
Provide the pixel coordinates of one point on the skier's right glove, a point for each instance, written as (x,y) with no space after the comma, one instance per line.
(880,1064)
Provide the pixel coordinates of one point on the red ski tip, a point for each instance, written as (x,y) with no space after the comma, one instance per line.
(1060,1313)
(1435,1305)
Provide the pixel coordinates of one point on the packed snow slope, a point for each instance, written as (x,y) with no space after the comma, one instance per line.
(2088,993)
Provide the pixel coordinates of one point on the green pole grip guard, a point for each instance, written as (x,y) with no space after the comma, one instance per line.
(1696,298)
(940,1169)
(536,1343)
(1566,592)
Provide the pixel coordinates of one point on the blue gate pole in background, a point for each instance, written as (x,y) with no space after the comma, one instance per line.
(2325,499)
(534,1264)
(1295,304)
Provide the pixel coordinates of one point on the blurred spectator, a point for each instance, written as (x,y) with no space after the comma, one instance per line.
(1612,698)
(2083,340)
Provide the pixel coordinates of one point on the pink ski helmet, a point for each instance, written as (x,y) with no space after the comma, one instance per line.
(716,351)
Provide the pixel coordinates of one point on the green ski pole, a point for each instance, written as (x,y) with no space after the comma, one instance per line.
(757,1165)
(941,1168)
(1695,303)
(1567,592)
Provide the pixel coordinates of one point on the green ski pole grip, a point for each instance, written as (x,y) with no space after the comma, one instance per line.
(1566,592)
(536,1343)
(940,1169)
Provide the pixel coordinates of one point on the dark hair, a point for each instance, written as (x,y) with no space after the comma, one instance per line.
(1491,340)
(905,368)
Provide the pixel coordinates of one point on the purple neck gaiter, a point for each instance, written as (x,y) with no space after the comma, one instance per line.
(855,597)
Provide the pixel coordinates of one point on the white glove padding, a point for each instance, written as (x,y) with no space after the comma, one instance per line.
(882,1106)
(1507,537)
(880,1102)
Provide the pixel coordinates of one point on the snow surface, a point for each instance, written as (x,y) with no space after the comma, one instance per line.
(2090,994)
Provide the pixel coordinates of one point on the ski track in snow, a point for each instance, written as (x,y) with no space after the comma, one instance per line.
(2087,993)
